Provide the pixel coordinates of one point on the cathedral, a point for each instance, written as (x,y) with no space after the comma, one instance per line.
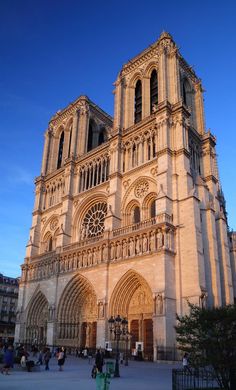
(129,216)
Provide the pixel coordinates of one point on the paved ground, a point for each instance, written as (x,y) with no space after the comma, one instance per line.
(77,376)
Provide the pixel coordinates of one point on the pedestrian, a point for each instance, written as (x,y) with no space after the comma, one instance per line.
(89,356)
(8,360)
(185,363)
(61,358)
(40,358)
(99,360)
(47,357)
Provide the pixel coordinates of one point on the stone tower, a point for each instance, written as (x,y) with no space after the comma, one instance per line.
(129,216)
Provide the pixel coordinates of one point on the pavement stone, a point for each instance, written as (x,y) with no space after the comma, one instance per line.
(77,375)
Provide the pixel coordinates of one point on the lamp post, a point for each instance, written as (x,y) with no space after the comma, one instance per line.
(118,327)
(127,338)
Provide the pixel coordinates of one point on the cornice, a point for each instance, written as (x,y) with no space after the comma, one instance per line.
(72,108)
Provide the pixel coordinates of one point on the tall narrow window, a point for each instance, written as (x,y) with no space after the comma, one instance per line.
(184,94)
(90,137)
(50,244)
(60,150)
(138,102)
(136,214)
(153,209)
(70,135)
(153,91)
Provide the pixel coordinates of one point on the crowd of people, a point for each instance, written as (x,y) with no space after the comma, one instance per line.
(42,356)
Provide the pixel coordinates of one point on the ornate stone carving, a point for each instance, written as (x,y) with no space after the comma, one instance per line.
(101,309)
(154,171)
(141,189)
(126,183)
(93,223)
(54,223)
(159,309)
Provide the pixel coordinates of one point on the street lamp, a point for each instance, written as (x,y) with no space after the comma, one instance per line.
(118,327)
(127,339)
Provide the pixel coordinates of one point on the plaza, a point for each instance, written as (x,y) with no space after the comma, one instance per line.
(77,374)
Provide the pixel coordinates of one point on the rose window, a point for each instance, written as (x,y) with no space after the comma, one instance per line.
(141,189)
(93,223)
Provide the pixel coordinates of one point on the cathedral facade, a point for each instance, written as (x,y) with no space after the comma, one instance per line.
(129,216)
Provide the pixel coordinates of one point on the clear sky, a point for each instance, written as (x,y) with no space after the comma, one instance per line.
(52,51)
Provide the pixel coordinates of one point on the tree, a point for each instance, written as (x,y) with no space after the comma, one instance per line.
(209,336)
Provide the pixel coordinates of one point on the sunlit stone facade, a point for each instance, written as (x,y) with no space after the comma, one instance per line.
(129,216)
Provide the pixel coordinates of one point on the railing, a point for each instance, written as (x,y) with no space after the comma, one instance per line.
(145,238)
(162,218)
(83,243)
(44,256)
(193,379)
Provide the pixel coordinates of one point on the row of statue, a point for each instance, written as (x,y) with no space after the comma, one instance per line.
(120,249)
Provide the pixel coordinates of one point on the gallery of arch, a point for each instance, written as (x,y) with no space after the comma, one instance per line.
(129,215)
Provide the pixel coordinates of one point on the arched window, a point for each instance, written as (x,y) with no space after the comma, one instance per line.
(90,136)
(60,151)
(136,214)
(184,94)
(153,209)
(153,91)
(102,136)
(69,147)
(138,102)
(50,244)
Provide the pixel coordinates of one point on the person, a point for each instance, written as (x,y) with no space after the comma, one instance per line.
(89,356)
(99,360)
(47,357)
(8,360)
(186,363)
(94,372)
(61,358)
(40,358)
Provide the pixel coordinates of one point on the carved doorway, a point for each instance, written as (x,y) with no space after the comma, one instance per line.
(132,298)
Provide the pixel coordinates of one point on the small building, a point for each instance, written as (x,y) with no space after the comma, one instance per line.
(9,288)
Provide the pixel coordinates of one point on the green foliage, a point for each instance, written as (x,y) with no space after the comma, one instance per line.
(209,336)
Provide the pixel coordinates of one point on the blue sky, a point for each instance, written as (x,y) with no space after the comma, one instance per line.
(53,51)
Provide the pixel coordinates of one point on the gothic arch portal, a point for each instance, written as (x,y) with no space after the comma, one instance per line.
(36,320)
(77,314)
(132,298)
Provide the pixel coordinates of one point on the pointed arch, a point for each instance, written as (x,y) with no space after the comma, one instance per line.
(36,319)
(124,291)
(138,101)
(60,150)
(153,91)
(77,296)
(37,306)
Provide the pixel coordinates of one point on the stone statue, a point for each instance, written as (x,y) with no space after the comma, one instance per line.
(152,242)
(159,239)
(105,252)
(124,249)
(113,255)
(131,247)
(90,257)
(100,310)
(118,250)
(159,304)
(145,243)
(138,249)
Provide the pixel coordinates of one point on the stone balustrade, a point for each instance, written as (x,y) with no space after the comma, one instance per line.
(145,238)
